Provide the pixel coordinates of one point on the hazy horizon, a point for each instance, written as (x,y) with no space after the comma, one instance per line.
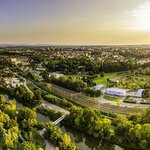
(69,22)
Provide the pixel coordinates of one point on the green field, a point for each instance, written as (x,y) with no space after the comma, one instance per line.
(103,80)
(110,98)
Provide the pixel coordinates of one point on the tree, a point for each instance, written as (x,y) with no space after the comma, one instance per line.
(27,117)
(102,74)
(49,86)
(2,99)
(28,146)
(146,93)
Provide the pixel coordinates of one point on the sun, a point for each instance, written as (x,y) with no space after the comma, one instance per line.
(141,17)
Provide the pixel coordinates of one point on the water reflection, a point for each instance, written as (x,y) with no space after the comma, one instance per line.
(87,142)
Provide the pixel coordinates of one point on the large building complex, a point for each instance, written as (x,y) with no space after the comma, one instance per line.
(115,92)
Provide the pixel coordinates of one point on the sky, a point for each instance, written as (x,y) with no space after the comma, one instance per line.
(75,21)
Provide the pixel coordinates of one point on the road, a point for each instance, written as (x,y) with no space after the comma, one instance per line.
(25,85)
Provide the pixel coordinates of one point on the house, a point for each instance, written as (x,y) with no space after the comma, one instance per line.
(15,61)
(20,60)
(14,82)
(115,92)
(56,74)
(139,93)
(99,87)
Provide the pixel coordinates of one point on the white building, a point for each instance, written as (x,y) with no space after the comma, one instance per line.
(56,74)
(14,82)
(139,93)
(99,87)
(115,92)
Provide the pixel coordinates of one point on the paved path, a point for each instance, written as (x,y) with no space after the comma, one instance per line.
(45,103)
(25,85)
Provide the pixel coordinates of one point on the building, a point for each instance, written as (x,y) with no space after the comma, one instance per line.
(14,82)
(115,92)
(139,93)
(56,74)
(99,87)
(20,60)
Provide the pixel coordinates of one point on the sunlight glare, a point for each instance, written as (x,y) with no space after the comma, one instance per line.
(142,17)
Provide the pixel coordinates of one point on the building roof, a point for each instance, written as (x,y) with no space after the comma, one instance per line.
(116,90)
(139,93)
(99,86)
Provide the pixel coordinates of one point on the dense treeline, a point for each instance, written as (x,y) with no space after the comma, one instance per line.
(22,95)
(13,122)
(85,64)
(51,113)
(26,97)
(60,102)
(16,123)
(133,82)
(146,93)
(123,131)
(143,71)
(58,138)
(4,63)
(75,85)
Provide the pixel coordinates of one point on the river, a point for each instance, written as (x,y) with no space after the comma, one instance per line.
(83,141)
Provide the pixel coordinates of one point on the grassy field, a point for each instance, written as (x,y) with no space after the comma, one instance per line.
(110,98)
(103,80)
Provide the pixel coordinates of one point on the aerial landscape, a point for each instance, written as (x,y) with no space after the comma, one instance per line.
(75,75)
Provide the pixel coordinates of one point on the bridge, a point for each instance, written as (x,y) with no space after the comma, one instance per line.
(41,132)
(59,119)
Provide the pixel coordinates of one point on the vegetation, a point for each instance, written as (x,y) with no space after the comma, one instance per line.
(129,100)
(58,137)
(15,123)
(112,98)
(106,79)
(51,113)
(60,102)
(132,82)
(34,137)
(75,85)
(85,67)
(85,64)
(121,130)
(146,93)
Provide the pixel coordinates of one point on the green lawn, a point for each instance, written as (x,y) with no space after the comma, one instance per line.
(103,80)
(110,98)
